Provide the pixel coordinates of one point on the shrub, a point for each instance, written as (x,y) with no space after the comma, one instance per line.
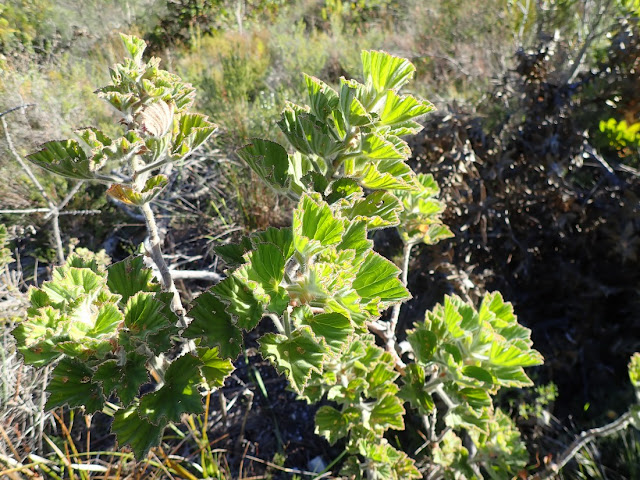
(319,283)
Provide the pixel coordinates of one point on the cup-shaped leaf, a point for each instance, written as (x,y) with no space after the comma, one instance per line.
(126,194)
(65,158)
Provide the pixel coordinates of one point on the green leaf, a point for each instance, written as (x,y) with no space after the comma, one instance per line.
(634,370)
(322,98)
(387,175)
(192,130)
(267,262)
(399,110)
(387,413)
(355,238)
(126,379)
(295,356)
(335,328)
(352,95)
(380,209)
(178,395)
(477,398)
(332,424)
(71,385)
(129,277)
(384,71)
(424,343)
(269,160)
(245,310)
(375,147)
(307,134)
(214,369)
(134,45)
(314,226)
(140,434)
(478,373)
(213,325)
(65,158)
(344,189)
(152,188)
(384,462)
(281,237)
(413,390)
(377,278)
(145,314)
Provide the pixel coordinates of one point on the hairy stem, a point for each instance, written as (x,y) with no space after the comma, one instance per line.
(156,255)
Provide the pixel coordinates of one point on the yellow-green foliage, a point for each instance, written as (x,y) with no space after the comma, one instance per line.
(621,135)
(21,22)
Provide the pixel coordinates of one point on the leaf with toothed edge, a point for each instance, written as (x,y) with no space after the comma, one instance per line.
(71,385)
(295,356)
(139,433)
(178,395)
(65,158)
(129,277)
(214,326)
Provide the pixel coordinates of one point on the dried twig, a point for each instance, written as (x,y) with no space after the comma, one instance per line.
(580,441)
(53,209)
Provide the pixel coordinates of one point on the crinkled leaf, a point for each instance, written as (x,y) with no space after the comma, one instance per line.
(384,71)
(399,110)
(344,189)
(135,46)
(213,325)
(634,370)
(387,413)
(192,130)
(178,395)
(378,278)
(322,98)
(269,160)
(388,175)
(71,385)
(214,369)
(126,379)
(129,277)
(424,343)
(65,158)
(380,209)
(245,310)
(281,237)
(140,434)
(152,188)
(307,134)
(375,147)
(413,390)
(146,314)
(335,328)
(332,424)
(295,356)
(314,226)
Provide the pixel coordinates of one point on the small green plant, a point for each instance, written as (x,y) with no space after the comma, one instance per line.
(319,285)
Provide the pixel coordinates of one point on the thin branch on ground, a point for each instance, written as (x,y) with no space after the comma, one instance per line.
(53,209)
(580,441)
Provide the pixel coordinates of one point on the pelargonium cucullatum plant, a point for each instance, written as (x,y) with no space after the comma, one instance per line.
(319,283)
